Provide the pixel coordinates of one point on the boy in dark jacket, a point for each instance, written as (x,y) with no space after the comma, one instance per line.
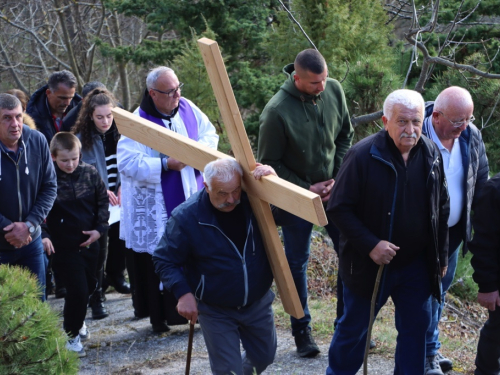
(75,223)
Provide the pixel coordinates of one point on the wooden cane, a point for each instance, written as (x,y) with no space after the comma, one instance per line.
(190,347)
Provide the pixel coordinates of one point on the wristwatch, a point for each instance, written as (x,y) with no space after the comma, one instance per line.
(31,227)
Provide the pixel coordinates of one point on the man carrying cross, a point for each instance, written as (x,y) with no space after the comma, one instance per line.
(153,184)
(212,258)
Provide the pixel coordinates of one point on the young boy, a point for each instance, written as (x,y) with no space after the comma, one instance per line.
(75,223)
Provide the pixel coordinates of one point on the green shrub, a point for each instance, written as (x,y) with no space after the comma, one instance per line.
(31,340)
(463,285)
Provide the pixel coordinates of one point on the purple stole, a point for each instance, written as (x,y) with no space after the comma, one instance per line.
(171,182)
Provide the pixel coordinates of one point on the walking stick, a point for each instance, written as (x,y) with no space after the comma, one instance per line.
(190,347)
(372,318)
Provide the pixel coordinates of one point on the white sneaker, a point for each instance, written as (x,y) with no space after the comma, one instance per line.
(75,345)
(84,333)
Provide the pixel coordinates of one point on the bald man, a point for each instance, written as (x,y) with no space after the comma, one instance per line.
(449,124)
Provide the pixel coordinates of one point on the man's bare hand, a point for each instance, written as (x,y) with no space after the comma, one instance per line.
(175,165)
(263,170)
(93,237)
(47,246)
(323,189)
(383,252)
(443,271)
(489,300)
(18,234)
(188,308)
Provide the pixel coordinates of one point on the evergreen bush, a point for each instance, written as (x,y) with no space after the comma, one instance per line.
(31,340)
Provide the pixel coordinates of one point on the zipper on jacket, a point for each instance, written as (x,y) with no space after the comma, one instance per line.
(390,165)
(242,256)
(202,285)
(19,200)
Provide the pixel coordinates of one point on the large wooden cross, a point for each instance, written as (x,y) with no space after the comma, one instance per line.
(269,190)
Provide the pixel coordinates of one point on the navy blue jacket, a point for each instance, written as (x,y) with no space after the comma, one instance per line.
(38,108)
(195,256)
(27,190)
(362,207)
(476,169)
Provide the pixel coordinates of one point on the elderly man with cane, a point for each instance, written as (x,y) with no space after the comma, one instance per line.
(390,202)
(212,258)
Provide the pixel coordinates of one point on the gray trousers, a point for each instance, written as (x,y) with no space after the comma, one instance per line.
(223,328)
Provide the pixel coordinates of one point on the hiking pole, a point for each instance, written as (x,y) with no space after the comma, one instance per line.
(372,318)
(190,347)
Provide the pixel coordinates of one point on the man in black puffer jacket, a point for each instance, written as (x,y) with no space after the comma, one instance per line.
(448,122)
(50,103)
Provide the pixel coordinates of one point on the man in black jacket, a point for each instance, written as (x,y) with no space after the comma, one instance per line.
(50,103)
(391,205)
(448,123)
(27,190)
(485,247)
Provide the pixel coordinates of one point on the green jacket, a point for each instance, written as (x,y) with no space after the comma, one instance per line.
(303,141)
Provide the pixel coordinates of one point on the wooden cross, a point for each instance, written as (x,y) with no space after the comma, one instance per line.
(269,190)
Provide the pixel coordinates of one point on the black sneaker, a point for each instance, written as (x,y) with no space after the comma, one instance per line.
(432,366)
(160,328)
(445,363)
(98,310)
(306,347)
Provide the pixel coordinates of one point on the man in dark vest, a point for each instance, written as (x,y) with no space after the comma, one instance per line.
(154,184)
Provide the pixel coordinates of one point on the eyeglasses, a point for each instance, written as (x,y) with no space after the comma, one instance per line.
(170,93)
(457,124)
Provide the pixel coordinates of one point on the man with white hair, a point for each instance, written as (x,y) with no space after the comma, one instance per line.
(448,123)
(390,203)
(154,184)
(212,258)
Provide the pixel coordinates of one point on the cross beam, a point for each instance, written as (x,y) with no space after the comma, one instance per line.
(268,190)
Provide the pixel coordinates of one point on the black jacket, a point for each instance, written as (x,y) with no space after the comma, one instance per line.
(38,108)
(82,204)
(485,246)
(28,186)
(476,169)
(362,207)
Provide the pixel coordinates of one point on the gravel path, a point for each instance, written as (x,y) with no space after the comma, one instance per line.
(120,345)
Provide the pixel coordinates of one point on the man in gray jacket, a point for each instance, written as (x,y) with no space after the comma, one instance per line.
(448,123)
(27,190)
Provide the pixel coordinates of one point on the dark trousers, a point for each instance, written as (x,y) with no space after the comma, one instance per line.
(77,269)
(409,288)
(101,261)
(297,240)
(115,262)
(488,347)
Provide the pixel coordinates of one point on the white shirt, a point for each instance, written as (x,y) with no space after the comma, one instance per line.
(454,172)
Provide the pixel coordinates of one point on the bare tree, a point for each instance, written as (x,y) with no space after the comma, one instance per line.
(38,37)
(418,36)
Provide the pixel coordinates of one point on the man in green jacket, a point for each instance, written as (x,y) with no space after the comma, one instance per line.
(305,132)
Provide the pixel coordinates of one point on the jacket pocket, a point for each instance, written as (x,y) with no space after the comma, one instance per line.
(200,289)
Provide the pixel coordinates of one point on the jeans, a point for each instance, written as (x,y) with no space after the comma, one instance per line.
(410,290)
(297,240)
(30,256)
(488,347)
(432,336)
(224,327)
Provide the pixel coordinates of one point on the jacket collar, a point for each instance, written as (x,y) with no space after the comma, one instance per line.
(204,212)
